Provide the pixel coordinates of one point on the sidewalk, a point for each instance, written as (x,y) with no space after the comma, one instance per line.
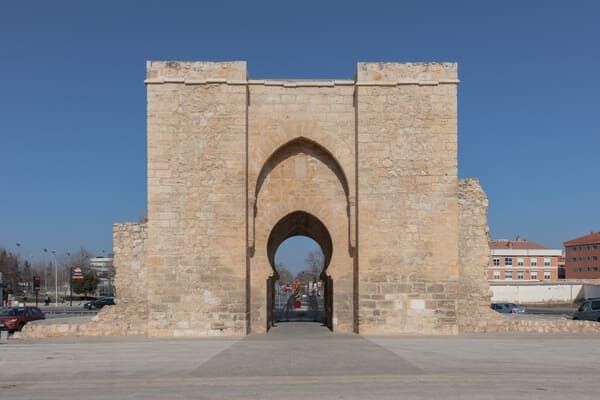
(303,360)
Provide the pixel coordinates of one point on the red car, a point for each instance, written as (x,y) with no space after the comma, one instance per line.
(15,318)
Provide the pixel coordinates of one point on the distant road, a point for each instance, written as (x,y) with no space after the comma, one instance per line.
(550,310)
(66,312)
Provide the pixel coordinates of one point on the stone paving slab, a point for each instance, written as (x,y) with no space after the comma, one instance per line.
(300,350)
(300,361)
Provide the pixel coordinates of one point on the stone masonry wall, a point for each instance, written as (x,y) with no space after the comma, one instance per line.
(129,316)
(407,197)
(130,272)
(195,251)
(130,313)
(301,136)
(473,290)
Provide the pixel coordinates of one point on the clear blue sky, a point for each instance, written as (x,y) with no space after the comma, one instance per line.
(72,99)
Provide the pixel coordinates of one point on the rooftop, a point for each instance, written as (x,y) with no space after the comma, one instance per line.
(518,243)
(590,238)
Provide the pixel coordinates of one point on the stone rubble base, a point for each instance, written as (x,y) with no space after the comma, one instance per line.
(139,328)
(506,325)
(108,322)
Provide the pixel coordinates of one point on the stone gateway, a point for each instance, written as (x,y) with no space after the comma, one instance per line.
(365,167)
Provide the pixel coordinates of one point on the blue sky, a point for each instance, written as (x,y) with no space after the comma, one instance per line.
(72,99)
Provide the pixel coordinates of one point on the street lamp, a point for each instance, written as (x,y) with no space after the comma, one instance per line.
(55,276)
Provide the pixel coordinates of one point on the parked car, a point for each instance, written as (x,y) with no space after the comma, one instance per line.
(15,318)
(508,308)
(98,304)
(589,310)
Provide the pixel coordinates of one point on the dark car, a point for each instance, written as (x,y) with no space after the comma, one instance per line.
(98,304)
(15,318)
(589,310)
(507,308)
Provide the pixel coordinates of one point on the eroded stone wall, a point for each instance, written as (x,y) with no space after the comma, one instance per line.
(130,273)
(473,290)
(407,197)
(129,316)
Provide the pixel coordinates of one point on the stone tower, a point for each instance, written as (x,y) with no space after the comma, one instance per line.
(366,167)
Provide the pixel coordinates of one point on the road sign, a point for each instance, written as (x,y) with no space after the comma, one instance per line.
(77,274)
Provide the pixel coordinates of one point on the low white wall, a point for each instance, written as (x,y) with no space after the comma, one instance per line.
(591,291)
(543,293)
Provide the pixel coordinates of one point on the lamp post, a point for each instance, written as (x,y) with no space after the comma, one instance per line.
(70,282)
(55,276)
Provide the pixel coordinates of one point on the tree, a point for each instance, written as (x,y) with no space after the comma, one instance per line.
(39,269)
(11,276)
(79,258)
(88,284)
(285,276)
(306,276)
(26,275)
(315,261)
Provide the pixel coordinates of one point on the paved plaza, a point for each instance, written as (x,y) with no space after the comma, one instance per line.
(300,361)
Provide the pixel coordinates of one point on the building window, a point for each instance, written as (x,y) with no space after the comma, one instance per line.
(534,261)
(547,275)
(508,275)
(496,275)
(520,262)
(520,275)
(508,261)
(546,261)
(496,262)
(533,275)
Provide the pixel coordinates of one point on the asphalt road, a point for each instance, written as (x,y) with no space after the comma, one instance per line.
(300,361)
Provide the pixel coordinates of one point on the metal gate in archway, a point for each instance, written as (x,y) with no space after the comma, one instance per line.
(314,306)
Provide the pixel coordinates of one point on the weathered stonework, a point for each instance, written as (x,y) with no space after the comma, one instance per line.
(473,290)
(366,167)
(407,198)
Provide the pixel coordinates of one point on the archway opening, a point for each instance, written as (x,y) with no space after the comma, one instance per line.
(299,289)
(299,250)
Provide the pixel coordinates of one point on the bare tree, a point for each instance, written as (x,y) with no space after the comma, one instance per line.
(79,258)
(315,261)
(26,275)
(285,276)
(11,276)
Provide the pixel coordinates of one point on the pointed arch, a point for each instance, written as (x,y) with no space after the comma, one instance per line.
(300,223)
(296,146)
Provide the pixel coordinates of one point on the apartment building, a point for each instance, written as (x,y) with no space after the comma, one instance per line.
(582,257)
(522,260)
